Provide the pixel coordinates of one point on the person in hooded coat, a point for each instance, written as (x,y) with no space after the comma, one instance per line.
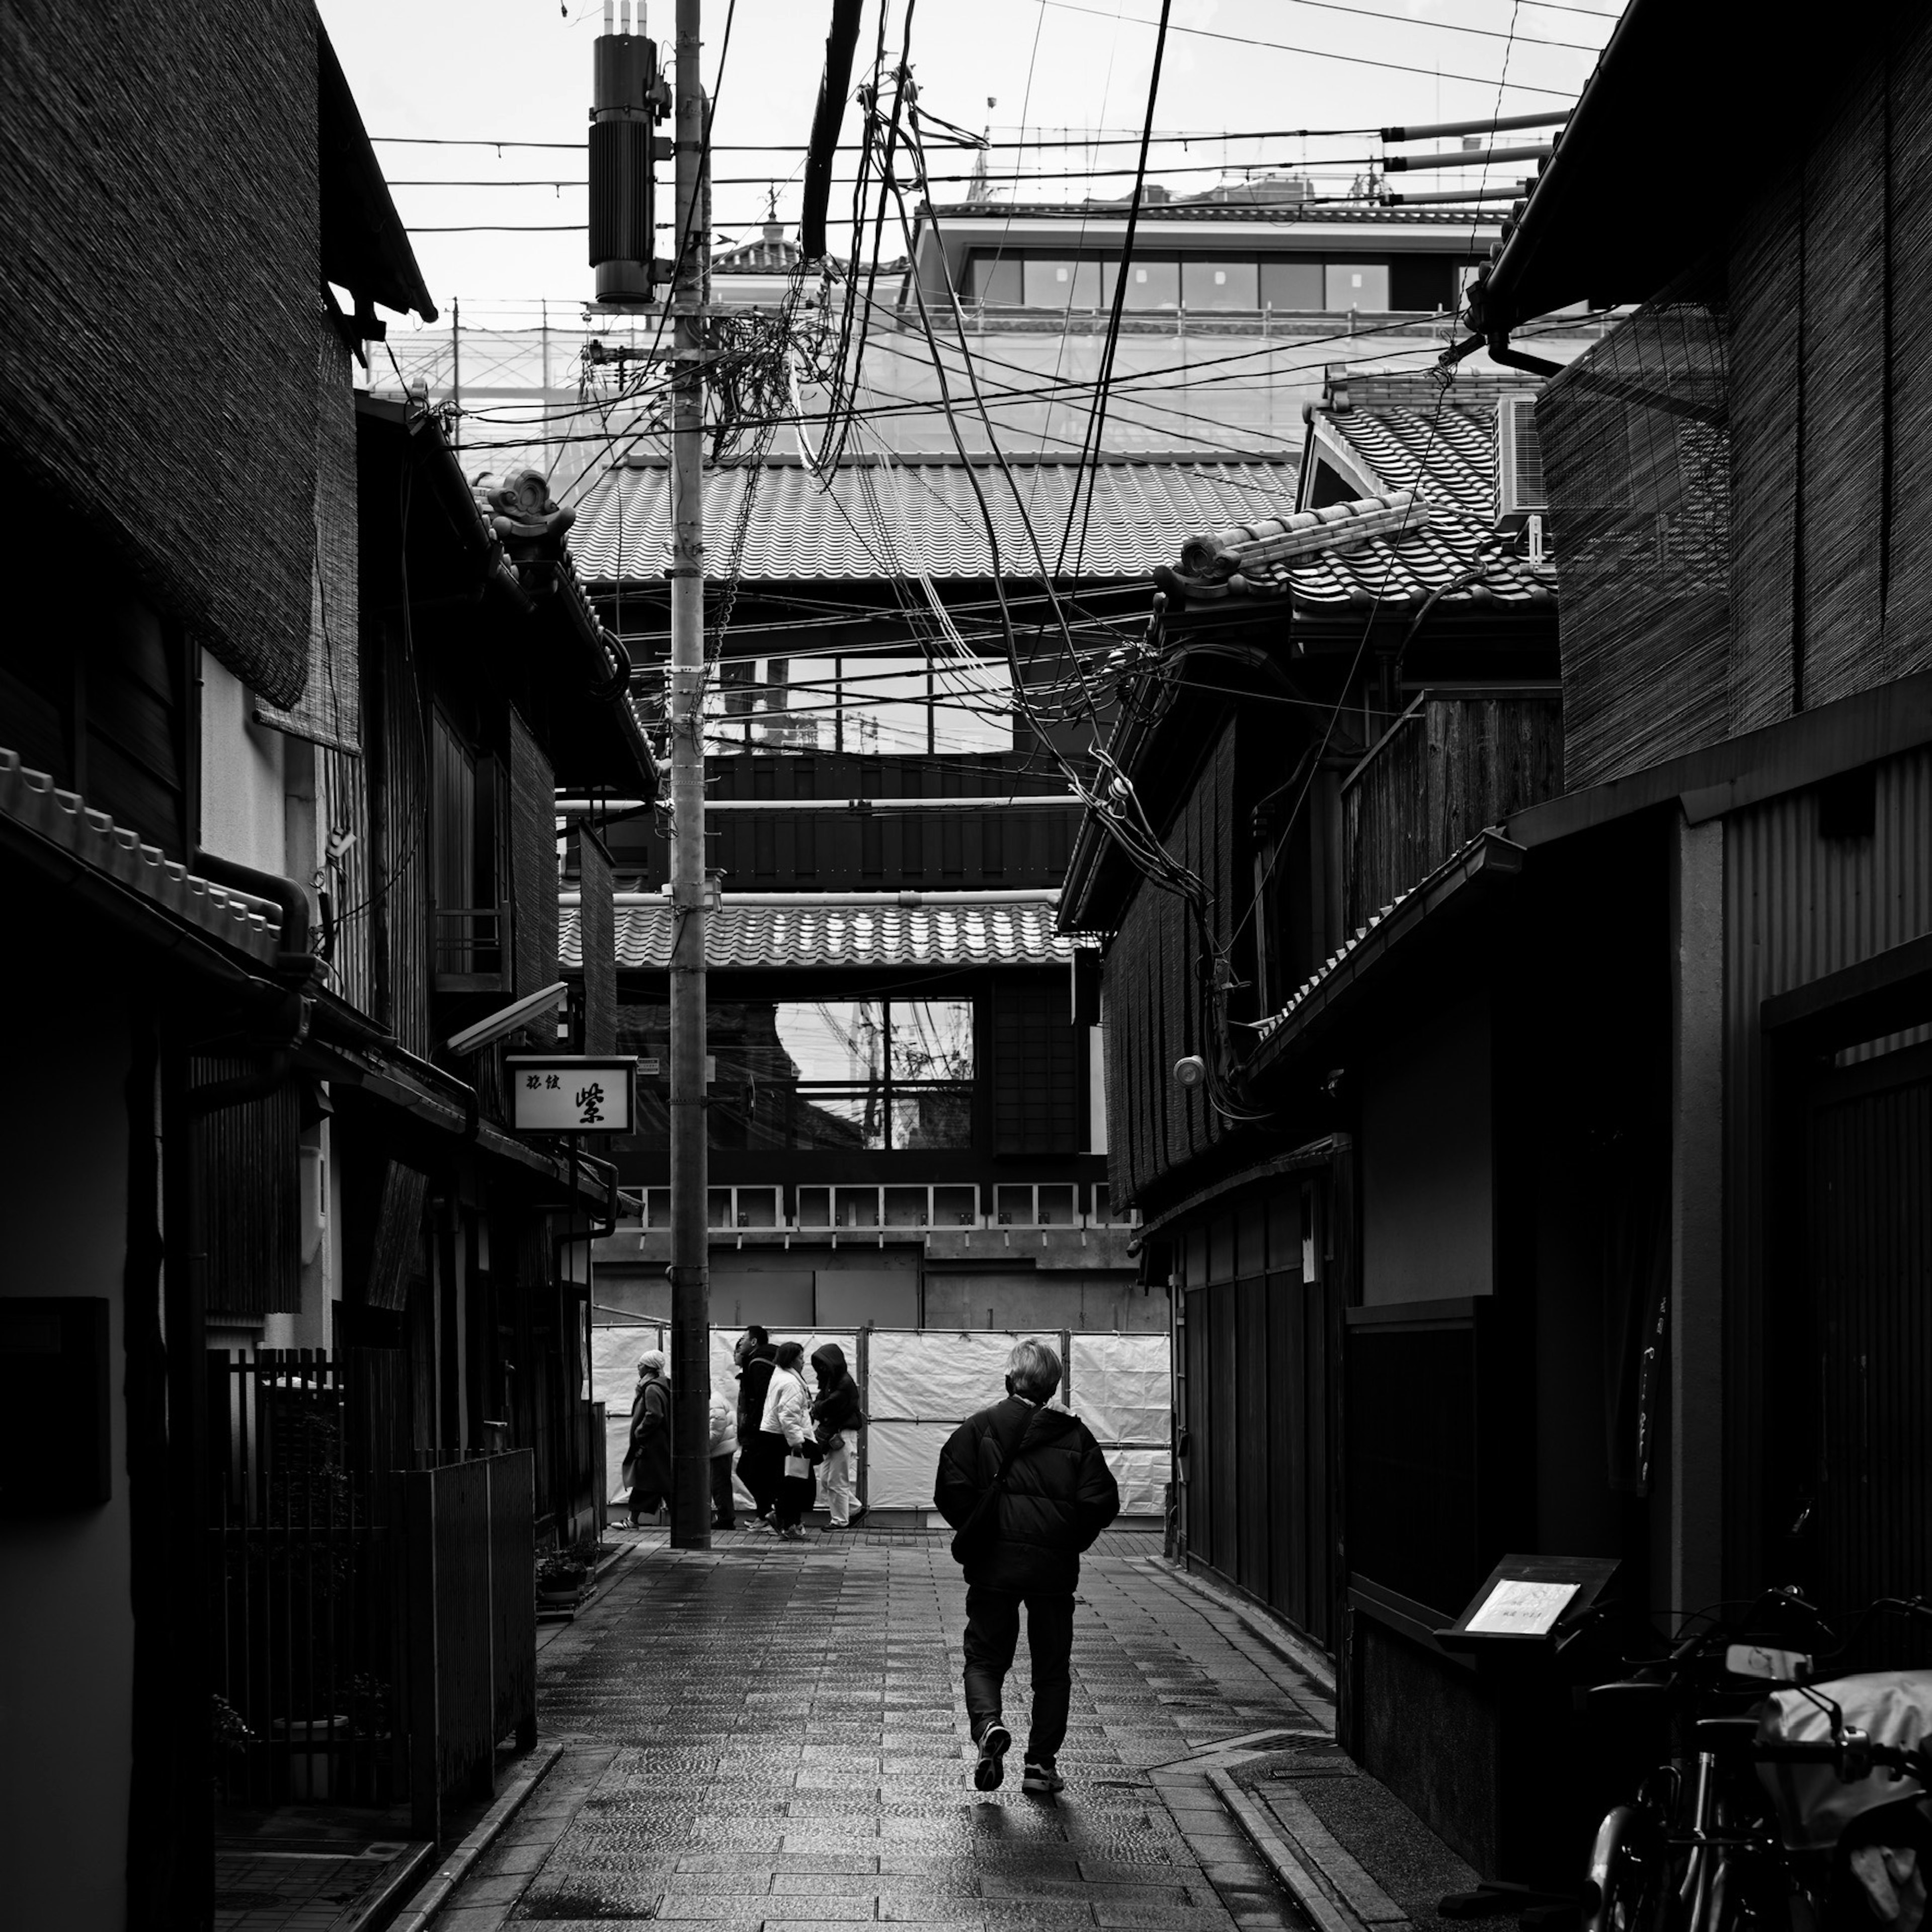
(1028,1490)
(760,1463)
(647,1459)
(836,1421)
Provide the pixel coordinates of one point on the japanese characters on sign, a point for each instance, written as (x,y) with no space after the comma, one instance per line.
(571,1093)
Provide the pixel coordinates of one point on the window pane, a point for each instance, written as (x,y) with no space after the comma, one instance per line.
(1062,285)
(996,280)
(857,1207)
(814,1207)
(1012,1207)
(931,1039)
(1212,285)
(883,701)
(840,1040)
(1149,285)
(837,1122)
(1295,285)
(972,708)
(938,1117)
(1358,285)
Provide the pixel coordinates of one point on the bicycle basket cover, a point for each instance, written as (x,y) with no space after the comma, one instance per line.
(1813,1806)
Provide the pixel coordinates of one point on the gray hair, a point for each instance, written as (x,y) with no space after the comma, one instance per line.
(651,1362)
(1035,1370)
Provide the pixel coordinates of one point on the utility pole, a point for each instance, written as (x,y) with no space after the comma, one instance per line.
(690,1166)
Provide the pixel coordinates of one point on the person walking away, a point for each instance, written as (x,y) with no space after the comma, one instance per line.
(786,1426)
(757,1469)
(723,1447)
(836,1421)
(647,1457)
(1027,1491)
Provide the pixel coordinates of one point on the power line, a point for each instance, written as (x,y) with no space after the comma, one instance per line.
(1376,14)
(1322,53)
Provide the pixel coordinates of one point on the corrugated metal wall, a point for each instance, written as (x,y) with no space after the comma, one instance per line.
(1797,906)
(400,887)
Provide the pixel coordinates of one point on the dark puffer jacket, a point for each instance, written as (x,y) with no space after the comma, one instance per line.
(753,1381)
(836,1412)
(1059,1494)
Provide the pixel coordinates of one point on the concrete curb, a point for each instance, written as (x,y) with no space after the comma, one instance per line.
(1293,1651)
(1300,1884)
(428,1902)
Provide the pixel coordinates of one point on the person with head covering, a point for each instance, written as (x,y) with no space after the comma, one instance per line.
(723,1447)
(786,1426)
(760,1462)
(836,1421)
(647,1459)
(1026,1489)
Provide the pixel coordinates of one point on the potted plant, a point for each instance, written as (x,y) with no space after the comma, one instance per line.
(560,1581)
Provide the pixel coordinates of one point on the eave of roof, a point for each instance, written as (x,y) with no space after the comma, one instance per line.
(1703,784)
(53,825)
(1612,216)
(741,937)
(365,248)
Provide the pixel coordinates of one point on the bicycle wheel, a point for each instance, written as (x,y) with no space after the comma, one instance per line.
(1628,1883)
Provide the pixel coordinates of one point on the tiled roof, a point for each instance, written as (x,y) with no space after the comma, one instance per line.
(1450,455)
(767,936)
(29,800)
(874,515)
(1447,456)
(1286,213)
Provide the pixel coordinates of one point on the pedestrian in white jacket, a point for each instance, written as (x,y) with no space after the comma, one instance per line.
(788,1416)
(723,1447)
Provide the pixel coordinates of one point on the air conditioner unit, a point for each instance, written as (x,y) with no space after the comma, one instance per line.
(1520,493)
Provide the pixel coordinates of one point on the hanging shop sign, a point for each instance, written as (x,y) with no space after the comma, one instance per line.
(572,1093)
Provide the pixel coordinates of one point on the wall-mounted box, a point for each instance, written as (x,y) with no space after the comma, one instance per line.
(55,1437)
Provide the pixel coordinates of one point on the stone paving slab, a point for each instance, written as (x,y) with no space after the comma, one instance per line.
(768,1736)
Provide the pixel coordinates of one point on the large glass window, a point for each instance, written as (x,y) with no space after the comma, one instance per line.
(832,1075)
(1300,286)
(1364,285)
(1214,285)
(1151,285)
(894,705)
(1061,285)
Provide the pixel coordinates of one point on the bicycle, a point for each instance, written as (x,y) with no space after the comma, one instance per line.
(1710,1844)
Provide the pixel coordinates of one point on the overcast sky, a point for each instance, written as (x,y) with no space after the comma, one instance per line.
(520,69)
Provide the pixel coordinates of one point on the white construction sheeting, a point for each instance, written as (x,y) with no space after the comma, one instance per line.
(901,1460)
(1143,1475)
(919,1385)
(926,1375)
(1119,1386)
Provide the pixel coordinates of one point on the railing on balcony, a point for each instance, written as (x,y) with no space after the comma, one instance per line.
(470,953)
(1454,762)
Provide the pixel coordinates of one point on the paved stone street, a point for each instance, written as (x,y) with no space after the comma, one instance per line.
(765,1736)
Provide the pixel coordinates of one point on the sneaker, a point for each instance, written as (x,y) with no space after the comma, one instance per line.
(1041,1778)
(859,1510)
(793,1534)
(995,1741)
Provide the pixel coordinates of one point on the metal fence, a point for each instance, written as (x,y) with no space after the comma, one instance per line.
(374,1628)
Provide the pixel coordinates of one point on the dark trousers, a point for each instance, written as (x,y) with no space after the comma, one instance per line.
(795,1498)
(993,1634)
(724,1504)
(760,1466)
